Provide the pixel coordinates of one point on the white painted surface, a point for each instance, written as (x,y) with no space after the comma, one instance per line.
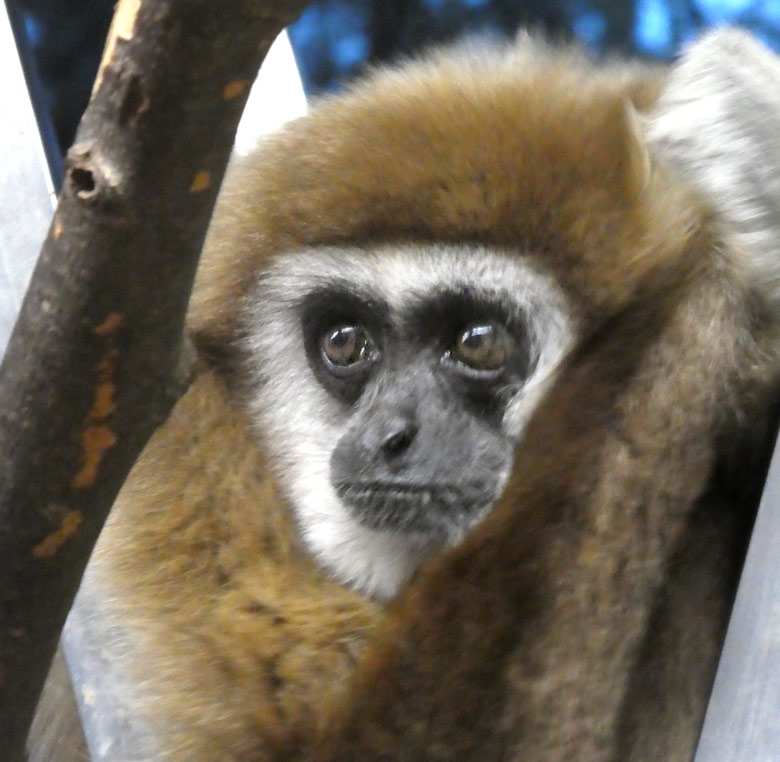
(26,194)
(276,97)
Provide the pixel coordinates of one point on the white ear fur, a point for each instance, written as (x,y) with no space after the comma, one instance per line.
(718,120)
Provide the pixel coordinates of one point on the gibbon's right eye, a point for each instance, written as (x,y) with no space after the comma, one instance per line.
(347,349)
(482,347)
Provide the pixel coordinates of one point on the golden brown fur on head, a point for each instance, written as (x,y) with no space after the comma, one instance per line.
(528,148)
(534,639)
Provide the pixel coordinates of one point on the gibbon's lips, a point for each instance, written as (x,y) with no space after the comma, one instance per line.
(406,507)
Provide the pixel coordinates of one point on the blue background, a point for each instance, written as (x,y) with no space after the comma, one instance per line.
(336,39)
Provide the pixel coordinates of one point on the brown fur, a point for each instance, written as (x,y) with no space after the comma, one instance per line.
(533,152)
(239,629)
(534,640)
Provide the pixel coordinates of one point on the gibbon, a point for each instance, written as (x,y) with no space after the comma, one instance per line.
(493,335)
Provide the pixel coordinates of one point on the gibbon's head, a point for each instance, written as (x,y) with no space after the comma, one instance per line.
(390,383)
(398,275)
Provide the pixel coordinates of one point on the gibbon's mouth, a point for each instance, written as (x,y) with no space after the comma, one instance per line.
(408,508)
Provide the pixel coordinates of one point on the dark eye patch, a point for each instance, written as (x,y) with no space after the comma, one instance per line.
(330,309)
(445,319)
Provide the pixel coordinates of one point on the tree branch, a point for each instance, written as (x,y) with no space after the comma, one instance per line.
(96,359)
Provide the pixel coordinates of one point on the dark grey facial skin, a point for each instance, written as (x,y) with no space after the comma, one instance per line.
(415,460)
(424,452)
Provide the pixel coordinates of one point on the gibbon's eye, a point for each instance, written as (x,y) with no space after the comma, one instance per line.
(347,349)
(482,347)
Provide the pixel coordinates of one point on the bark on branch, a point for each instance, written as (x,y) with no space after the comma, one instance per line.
(96,359)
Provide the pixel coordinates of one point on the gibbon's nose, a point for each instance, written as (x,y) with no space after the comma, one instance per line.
(397,437)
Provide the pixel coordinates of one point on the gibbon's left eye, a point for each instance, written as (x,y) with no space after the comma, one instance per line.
(481,347)
(347,349)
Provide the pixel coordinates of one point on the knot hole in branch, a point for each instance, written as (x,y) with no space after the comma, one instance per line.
(82,183)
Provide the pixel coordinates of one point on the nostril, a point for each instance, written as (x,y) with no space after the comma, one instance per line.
(398,441)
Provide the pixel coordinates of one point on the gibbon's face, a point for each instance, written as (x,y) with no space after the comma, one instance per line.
(391,385)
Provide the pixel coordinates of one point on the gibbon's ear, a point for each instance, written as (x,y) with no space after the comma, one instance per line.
(718,121)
